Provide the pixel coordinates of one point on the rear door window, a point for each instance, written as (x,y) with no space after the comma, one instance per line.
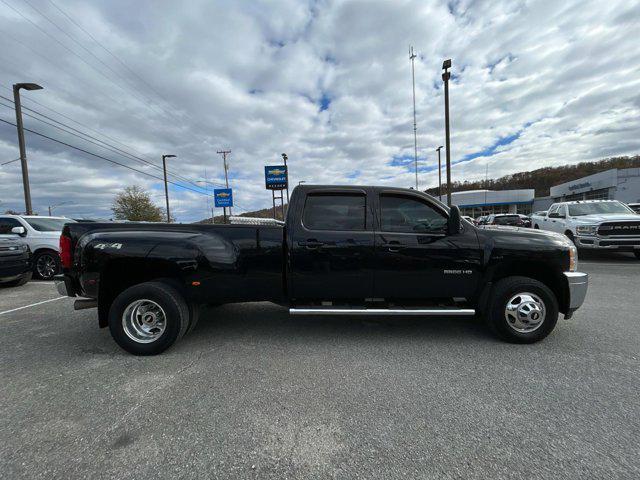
(335,211)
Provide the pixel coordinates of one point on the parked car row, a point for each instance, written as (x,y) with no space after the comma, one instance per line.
(508,219)
(41,235)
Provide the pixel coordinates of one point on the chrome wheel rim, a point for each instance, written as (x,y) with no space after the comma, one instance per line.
(525,312)
(46,266)
(144,321)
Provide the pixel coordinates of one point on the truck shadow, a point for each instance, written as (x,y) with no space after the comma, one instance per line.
(266,320)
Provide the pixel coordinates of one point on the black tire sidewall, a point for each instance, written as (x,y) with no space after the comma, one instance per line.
(503,291)
(56,259)
(175,309)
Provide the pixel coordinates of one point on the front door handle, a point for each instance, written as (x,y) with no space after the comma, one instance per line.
(311,244)
(393,246)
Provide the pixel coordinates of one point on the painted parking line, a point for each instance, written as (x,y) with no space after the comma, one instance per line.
(32,305)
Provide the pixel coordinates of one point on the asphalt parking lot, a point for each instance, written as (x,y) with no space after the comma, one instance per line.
(254,393)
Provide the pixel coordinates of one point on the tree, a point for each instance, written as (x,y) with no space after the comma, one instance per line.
(135,204)
(11,212)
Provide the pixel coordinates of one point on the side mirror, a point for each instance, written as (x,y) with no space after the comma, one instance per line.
(454,223)
(19,231)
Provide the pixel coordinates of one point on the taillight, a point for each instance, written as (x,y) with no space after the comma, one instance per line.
(65,251)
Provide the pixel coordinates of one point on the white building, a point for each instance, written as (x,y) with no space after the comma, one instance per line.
(614,184)
(484,202)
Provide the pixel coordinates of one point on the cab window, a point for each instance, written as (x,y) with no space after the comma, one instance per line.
(403,214)
(335,211)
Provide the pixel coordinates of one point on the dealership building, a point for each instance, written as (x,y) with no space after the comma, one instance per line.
(485,202)
(614,184)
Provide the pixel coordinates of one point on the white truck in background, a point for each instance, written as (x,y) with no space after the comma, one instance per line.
(593,224)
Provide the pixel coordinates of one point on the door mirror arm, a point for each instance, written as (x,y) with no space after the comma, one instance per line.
(454,223)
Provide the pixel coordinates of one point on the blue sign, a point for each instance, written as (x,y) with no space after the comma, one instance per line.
(275,177)
(223,197)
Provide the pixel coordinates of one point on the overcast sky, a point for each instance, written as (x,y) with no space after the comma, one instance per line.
(535,83)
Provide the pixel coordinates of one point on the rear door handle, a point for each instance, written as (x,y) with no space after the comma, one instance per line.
(311,244)
(394,246)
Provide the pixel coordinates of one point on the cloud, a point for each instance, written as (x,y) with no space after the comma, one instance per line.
(328,82)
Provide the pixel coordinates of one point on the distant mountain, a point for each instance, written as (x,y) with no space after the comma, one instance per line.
(543,179)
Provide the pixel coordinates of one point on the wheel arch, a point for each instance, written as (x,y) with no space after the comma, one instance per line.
(553,279)
(120,274)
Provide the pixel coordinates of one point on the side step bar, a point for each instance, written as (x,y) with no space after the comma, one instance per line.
(456,312)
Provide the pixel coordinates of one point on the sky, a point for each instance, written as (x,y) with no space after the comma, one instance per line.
(534,84)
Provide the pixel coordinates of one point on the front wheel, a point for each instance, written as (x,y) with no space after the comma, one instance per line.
(522,310)
(148,318)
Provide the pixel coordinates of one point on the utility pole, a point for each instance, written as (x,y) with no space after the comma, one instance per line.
(439,174)
(166,189)
(412,57)
(446,75)
(284,157)
(224,154)
(23,150)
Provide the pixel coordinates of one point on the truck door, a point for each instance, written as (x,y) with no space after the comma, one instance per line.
(416,258)
(331,247)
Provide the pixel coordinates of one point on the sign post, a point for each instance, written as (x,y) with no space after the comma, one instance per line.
(276,179)
(223,198)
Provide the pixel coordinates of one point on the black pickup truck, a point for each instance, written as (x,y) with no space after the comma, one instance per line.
(342,251)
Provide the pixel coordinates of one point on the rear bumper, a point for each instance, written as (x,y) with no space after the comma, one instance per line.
(64,286)
(577,285)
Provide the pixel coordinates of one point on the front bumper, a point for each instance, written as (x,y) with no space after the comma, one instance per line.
(577,285)
(608,243)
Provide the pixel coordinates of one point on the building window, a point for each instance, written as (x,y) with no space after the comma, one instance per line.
(601,194)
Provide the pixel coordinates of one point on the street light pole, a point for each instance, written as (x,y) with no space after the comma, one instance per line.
(23,152)
(166,189)
(412,57)
(446,75)
(284,157)
(439,174)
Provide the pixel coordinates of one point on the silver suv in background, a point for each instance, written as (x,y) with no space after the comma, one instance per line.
(42,235)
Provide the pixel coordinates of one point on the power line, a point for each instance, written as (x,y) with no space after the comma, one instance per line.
(111,160)
(104,144)
(42,30)
(10,161)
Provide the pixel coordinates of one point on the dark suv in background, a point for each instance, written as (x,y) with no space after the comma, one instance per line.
(15,263)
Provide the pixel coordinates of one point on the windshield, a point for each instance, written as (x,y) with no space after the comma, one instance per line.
(48,224)
(579,209)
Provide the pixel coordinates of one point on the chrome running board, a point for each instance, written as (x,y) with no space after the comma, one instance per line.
(456,312)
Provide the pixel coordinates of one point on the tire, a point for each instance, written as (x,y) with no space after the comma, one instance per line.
(46,264)
(531,297)
(637,254)
(148,318)
(536,227)
(20,281)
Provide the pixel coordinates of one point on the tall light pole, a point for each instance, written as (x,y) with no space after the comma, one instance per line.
(166,189)
(23,152)
(412,57)
(446,65)
(439,174)
(224,154)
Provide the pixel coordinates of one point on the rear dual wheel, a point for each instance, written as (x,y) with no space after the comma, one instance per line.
(148,318)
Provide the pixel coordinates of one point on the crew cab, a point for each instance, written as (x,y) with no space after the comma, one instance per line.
(42,235)
(343,250)
(595,224)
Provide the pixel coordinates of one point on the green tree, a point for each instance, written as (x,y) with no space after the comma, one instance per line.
(134,204)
